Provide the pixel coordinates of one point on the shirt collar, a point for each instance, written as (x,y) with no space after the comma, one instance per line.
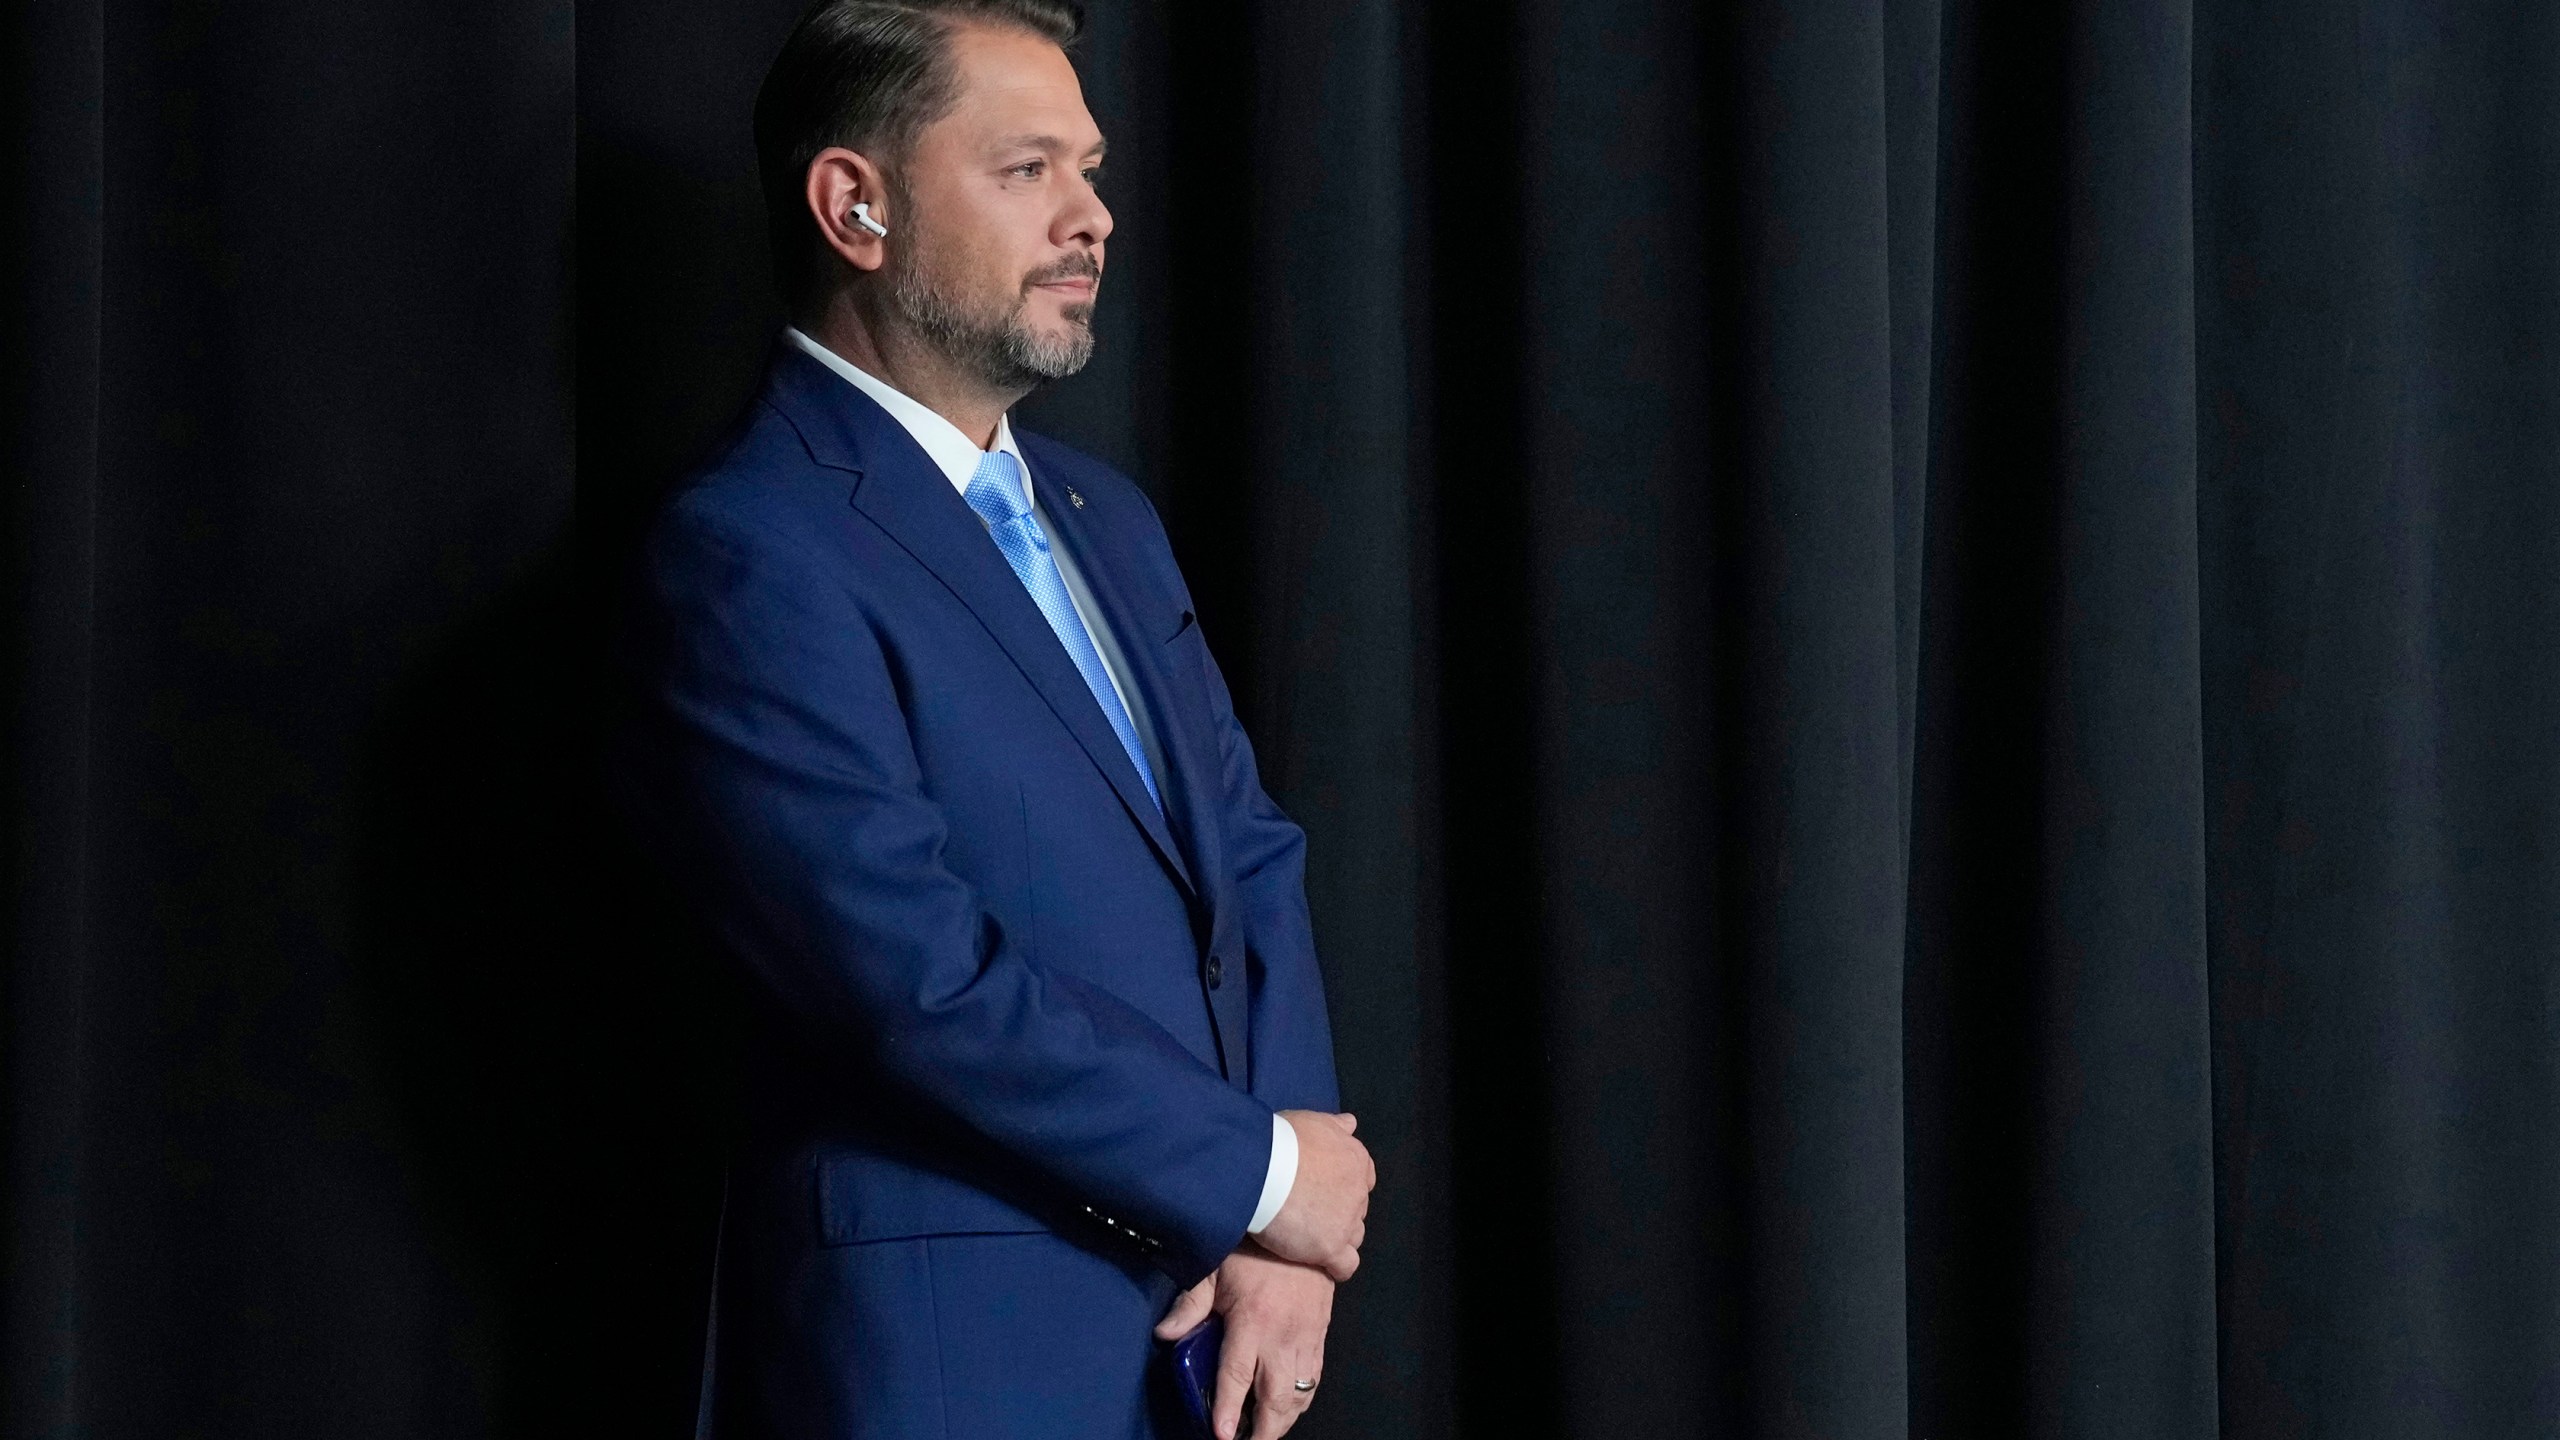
(954,453)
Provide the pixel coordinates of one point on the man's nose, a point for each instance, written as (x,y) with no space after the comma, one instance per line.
(1089,221)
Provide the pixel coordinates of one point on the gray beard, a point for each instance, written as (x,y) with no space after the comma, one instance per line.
(996,348)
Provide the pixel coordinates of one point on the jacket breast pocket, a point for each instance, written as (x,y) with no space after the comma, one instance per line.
(1187,668)
(863,1197)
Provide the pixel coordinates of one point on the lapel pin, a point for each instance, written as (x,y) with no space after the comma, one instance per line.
(1073,498)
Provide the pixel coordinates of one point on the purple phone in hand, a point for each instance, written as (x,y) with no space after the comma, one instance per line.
(1195,1369)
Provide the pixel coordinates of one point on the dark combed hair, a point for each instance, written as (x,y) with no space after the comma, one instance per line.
(867,75)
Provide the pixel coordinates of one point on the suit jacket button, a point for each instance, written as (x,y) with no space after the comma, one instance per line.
(1217,972)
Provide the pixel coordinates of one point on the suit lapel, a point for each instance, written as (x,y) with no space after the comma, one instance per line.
(1193,788)
(907,496)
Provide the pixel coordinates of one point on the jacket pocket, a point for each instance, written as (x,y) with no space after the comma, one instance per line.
(865,1197)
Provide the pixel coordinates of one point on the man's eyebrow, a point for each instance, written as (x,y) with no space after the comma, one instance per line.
(1049,143)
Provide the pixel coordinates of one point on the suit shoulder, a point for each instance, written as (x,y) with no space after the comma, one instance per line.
(760,478)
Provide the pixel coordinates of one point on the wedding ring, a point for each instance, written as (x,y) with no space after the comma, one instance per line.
(1302,1386)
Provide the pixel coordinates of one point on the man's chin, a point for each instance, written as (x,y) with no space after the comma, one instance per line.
(1060,362)
(1062,325)
(1055,352)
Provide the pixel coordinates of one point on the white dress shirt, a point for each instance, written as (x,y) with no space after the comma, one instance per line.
(957,456)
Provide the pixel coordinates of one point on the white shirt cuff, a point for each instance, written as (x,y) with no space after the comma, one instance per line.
(1277,1180)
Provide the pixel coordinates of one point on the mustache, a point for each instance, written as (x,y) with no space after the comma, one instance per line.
(1079,266)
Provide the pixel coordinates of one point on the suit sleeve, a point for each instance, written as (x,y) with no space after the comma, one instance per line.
(779,750)
(1291,1036)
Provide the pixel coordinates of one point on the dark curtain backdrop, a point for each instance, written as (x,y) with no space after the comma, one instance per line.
(1920,642)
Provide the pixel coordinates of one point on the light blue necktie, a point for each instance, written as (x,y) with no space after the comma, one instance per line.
(995,492)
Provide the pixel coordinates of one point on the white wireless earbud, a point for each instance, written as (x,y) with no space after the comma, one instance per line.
(862,216)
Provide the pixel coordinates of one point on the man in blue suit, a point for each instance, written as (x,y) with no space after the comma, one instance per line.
(1044,1072)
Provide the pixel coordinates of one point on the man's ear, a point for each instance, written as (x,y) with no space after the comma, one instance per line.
(838,180)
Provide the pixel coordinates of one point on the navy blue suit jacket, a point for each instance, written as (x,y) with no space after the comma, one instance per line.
(1023,1032)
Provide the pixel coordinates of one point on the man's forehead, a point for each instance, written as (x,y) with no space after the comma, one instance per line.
(1019,90)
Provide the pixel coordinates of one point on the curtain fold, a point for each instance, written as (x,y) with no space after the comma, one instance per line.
(53,59)
(2120,1295)
(1337,578)
(2380,476)
(1612,662)
(1809,800)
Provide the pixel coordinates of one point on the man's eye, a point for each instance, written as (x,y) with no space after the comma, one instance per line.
(1028,169)
(1093,176)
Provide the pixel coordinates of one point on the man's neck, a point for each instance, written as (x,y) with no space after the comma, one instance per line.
(896,355)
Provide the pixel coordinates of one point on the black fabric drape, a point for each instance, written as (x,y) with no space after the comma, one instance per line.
(1915,638)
